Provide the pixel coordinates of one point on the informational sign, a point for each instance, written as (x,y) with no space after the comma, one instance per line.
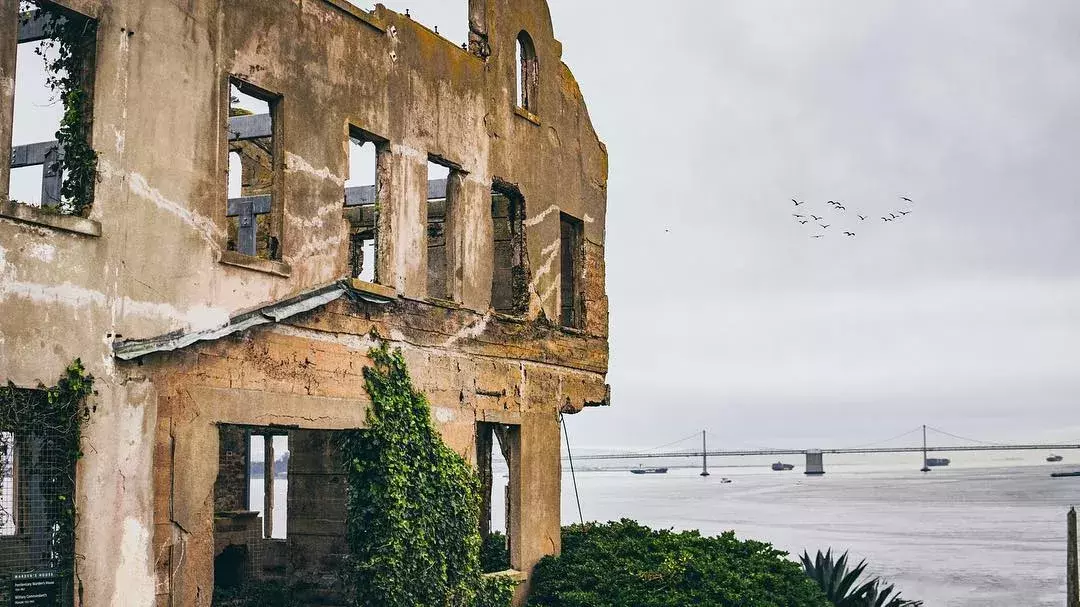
(35,589)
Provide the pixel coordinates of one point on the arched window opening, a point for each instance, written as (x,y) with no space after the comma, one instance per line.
(527,74)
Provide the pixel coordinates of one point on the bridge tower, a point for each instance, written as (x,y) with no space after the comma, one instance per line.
(815,465)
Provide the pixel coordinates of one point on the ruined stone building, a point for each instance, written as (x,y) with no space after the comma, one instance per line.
(277,181)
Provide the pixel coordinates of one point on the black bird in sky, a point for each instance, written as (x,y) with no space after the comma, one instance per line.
(905,212)
(818,236)
(862,217)
(797,215)
(797,203)
(816,218)
(905,198)
(849,233)
(805,221)
(824,227)
(885,219)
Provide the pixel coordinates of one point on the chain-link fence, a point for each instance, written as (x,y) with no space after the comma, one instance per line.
(36,544)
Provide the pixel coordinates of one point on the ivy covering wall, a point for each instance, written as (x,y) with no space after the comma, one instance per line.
(413,504)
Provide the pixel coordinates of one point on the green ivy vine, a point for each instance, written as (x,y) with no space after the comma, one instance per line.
(413,504)
(72,40)
(54,417)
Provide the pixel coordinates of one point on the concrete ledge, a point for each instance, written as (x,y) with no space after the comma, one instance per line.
(258,264)
(358,13)
(34,215)
(369,287)
(527,115)
(517,576)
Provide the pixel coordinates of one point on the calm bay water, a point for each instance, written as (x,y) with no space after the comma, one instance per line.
(985,532)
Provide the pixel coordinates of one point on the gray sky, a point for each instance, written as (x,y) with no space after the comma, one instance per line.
(725,314)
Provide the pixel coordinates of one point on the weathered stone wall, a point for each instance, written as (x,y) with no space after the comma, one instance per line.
(162,73)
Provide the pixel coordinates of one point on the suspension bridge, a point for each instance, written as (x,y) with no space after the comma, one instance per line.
(815,457)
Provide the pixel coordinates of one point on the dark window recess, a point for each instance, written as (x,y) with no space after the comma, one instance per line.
(361,205)
(528,77)
(251,210)
(438,202)
(301,490)
(43,173)
(509,274)
(571,253)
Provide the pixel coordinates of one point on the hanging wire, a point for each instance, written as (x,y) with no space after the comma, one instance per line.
(573,475)
(863,446)
(973,440)
(675,442)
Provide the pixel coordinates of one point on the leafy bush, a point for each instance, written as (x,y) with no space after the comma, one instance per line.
(622,564)
(842,586)
(493,553)
(413,504)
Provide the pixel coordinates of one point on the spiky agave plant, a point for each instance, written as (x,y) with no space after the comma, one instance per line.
(843,586)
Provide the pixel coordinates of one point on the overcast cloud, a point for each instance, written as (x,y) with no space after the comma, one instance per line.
(725,314)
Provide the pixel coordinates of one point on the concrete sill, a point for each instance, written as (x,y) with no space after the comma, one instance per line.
(443,303)
(358,13)
(574,331)
(258,264)
(369,287)
(514,574)
(68,223)
(527,115)
(516,319)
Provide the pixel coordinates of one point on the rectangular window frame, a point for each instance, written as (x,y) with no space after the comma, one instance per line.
(507,437)
(275,102)
(356,215)
(21,31)
(268,435)
(571,272)
(518,304)
(450,199)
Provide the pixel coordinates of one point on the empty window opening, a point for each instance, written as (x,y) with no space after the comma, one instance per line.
(570,267)
(42,174)
(252,173)
(7,484)
(438,201)
(509,273)
(527,73)
(306,482)
(497,447)
(361,205)
(268,472)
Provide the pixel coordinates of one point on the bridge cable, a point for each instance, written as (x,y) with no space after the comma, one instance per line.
(973,440)
(573,475)
(887,440)
(720,439)
(675,442)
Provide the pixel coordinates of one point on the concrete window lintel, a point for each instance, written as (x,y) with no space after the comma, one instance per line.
(258,264)
(68,223)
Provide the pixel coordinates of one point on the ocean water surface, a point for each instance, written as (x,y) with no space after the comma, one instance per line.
(984,532)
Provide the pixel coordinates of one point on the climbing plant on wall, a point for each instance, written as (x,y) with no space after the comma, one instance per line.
(413,504)
(51,419)
(68,52)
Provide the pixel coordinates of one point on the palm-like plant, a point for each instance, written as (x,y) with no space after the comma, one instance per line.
(843,586)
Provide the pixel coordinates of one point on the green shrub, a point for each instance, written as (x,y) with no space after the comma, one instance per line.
(493,553)
(413,504)
(623,564)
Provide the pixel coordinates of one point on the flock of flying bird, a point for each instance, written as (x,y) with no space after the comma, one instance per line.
(806,218)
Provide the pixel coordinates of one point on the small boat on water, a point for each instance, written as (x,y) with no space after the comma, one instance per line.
(781,466)
(1054,458)
(937,461)
(1064,474)
(642,470)
(725,480)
